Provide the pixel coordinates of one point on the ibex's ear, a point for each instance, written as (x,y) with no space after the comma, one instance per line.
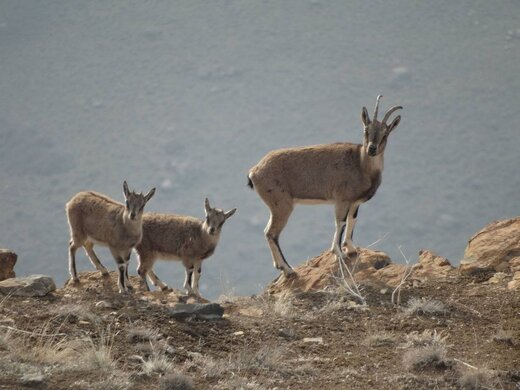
(207,207)
(149,195)
(125,189)
(394,123)
(230,213)
(364,117)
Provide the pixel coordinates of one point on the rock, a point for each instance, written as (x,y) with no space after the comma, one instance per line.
(30,286)
(498,278)
(372,268)
(431,266)
(33,380)
(320,272)
(202,311)
(494,245)
(7,261)
(515,283)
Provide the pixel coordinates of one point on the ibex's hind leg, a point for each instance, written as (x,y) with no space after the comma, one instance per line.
(89,248)
(72,261)
(340,211)
(351,222)
(277,222)
(156,281)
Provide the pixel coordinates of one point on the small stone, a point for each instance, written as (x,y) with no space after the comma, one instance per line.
(30,286)
(203,311)
(239,333)
(318,340)
(33,380)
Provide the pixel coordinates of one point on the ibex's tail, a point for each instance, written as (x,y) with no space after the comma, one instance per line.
(250,183)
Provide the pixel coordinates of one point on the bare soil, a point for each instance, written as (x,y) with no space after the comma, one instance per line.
(295,341)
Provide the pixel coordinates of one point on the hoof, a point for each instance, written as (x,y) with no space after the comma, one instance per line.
(165,289)
(74,281)
(105,274)
(129,287)
(289,273)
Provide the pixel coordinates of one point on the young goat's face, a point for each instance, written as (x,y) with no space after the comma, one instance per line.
(376,133)
(135,202)
(215,218)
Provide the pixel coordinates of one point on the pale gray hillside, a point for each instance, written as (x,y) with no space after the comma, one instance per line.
(187,95)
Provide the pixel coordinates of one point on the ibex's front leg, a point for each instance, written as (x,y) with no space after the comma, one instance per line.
(122,260)
(340,211)
(197,270)
(188,279)
(351,222)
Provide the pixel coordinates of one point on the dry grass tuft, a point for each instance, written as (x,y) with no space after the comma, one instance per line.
(239,383)
(503,336)
(268,359)
(480,379)
(139,335)
(74,313)
(381,339)
(283,306)
(176,381)
(157,363)
(431,356)
(424,339)
(425,306)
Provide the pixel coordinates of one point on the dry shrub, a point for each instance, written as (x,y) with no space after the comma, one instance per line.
(425,306)
(176,381)
(503,336)
(479,379)
(431,356)
(268,359)
(239,383)
(74,313)
(157,363)
(426,338)
(380,339)
(139,335)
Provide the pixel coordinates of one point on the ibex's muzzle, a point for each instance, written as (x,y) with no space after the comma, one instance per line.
(372,149)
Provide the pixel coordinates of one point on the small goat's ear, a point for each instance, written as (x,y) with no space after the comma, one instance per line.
(394,123)
(364,117)
(149,195)
(207,207)
(230,213)
(125,189)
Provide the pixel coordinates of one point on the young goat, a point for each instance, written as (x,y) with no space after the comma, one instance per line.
(176,237)
(342,174)
(96,219)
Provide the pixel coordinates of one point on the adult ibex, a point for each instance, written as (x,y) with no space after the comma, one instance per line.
(342,174)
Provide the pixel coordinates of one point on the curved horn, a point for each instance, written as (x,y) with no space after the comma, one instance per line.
(377,108)
(390,112)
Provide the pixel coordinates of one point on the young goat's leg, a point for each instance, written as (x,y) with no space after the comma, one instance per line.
(121,267)
(156,281)
(72,261)
(188,279)
(197,270)
(89,248)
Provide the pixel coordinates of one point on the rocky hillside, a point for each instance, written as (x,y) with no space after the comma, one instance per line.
(451,328)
